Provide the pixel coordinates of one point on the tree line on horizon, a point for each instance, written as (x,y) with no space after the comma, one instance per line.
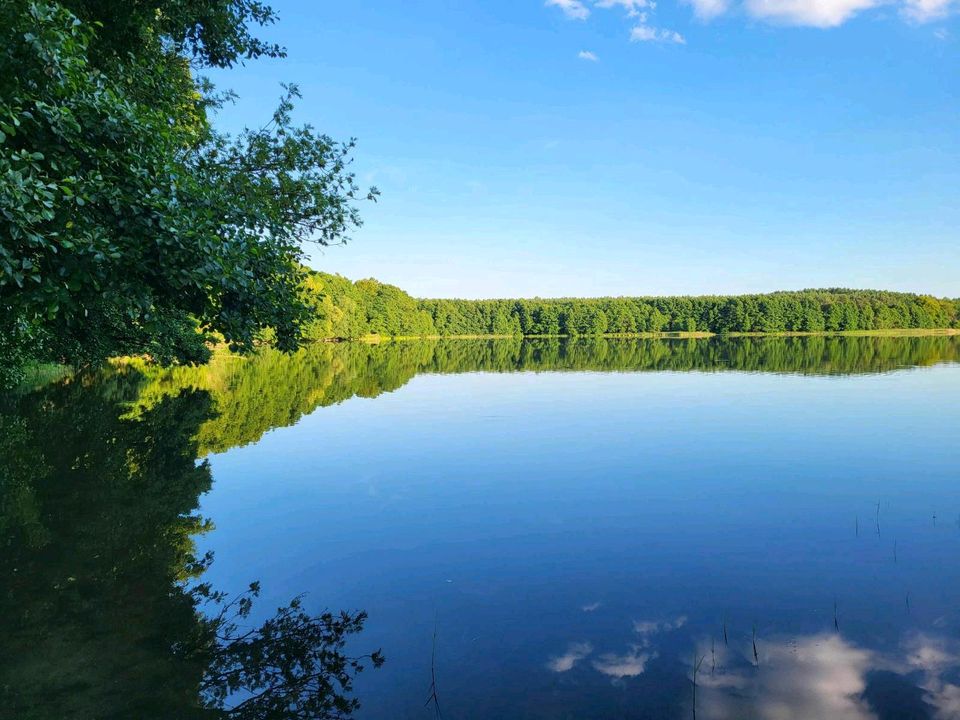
(344,309)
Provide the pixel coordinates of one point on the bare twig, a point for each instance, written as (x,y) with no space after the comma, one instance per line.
(434,698)
(696,668)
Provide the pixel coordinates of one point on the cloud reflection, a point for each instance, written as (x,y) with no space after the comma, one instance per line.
(617,665)
(574,654)
(631,664)
(648,627)
(820,676)
(937,659)
(828,676)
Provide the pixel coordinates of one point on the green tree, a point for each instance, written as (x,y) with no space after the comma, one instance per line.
(128,224)
(389,311)
(620,320)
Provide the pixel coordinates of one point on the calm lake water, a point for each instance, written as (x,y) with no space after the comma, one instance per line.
(567,529)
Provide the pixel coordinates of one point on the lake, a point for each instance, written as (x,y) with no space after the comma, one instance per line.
(583,529)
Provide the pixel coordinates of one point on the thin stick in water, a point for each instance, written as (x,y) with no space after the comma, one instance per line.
(433,679)
(696,669)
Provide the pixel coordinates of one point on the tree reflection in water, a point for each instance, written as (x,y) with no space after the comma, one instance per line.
(103,614)
(253,395)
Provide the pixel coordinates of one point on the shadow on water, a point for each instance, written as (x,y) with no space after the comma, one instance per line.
(103,612)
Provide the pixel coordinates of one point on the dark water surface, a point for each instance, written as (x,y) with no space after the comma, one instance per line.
(576,526)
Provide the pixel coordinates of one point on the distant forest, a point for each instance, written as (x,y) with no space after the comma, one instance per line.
(345,309)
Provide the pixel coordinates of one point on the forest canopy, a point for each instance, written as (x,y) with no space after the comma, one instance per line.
(344,309)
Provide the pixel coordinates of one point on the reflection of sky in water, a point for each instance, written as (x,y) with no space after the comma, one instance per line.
(576,539)
(827,676)
(812,676)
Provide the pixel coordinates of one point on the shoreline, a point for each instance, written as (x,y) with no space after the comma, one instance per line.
(39,374)
(671,335)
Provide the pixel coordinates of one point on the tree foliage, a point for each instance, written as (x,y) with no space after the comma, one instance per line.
(128,223)
(349,310)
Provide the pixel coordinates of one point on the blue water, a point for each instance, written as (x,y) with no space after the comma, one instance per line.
(575,543)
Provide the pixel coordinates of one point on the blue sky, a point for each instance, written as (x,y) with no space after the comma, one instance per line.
(622,147)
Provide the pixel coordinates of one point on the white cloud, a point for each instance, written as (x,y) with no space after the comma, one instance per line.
(708,9)
(824,13)
(806,13)
(922,11)
(637,11)
(574,654)
(587,55)
(591,607)
(814,13)
(645,33)
(941,33)
(571,8)
(633,7)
